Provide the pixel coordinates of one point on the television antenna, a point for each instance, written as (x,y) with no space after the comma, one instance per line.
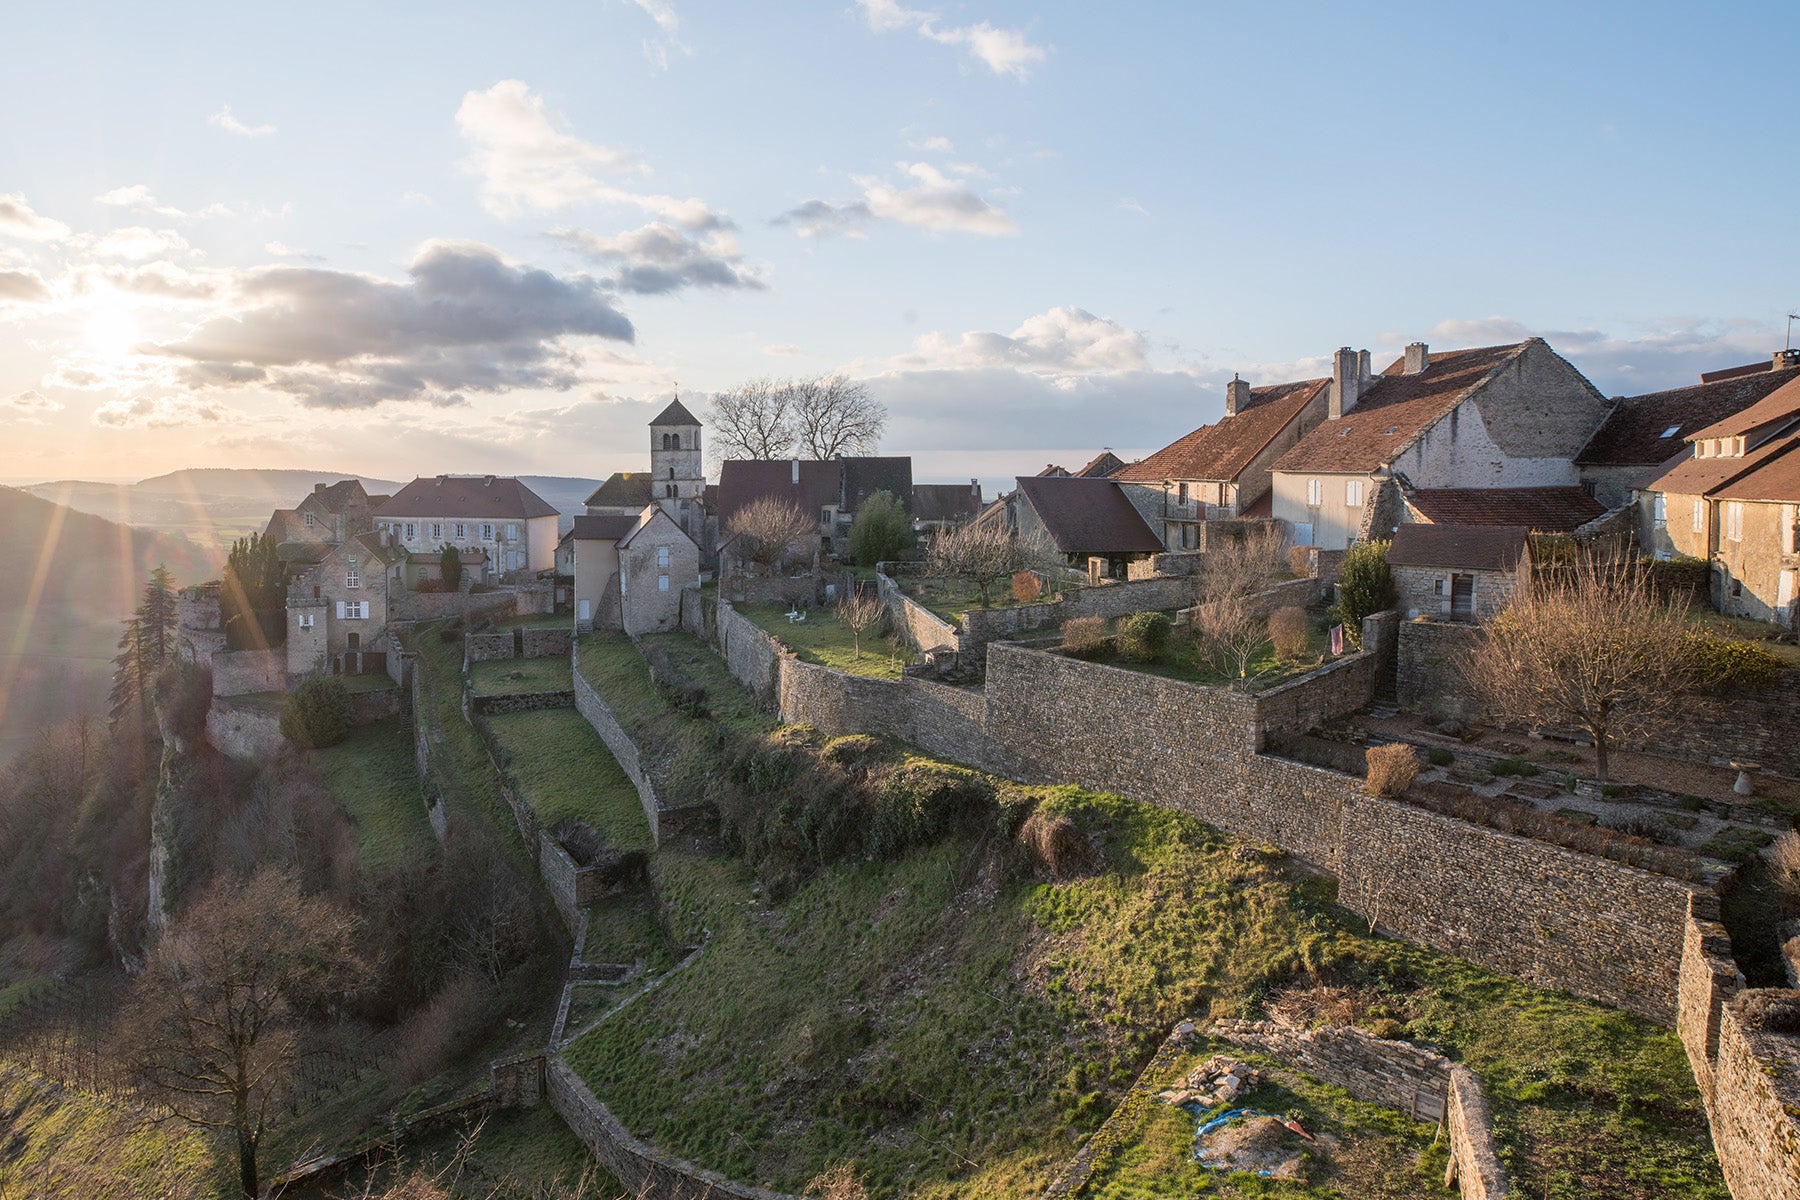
(1792,317)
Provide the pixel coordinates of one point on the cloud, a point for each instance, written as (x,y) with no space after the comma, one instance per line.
(33,404)
(18,221)
(135,243)
(224,119)
(820,218)
(933,145)
(1003,51)
(22,287)
(465,320)
(935,201)
(660,258)
(161,280)
(668,36)
(283,250)
(1130,205)
(139,196)
(784,350)
(163,412)
(1060,342)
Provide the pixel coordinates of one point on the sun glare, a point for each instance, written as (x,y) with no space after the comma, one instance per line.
(112,329)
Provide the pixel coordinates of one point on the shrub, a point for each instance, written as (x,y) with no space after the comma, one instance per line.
(1299,560)
(1515,766)
(1784,861)
(921,801)
(1084,637)
(1027,586)
(1643,826)
(1054,845)
(1775,1012)
(1143,636)
(1392,768)
(1287,630)
(1723,663)
(1365,585)
(882,532)
(1440,756)
(318,714)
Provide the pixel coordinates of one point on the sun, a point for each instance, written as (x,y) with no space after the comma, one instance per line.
(112,329)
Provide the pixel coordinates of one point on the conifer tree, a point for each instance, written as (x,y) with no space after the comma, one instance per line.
(146,646)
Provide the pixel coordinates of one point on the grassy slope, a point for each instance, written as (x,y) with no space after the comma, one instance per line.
(565,770)
(922,1015)
(371,772)
(518,676)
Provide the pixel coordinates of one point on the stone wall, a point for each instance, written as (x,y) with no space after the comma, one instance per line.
(432,606)
(243,732)
(546,643)
(983,625)
(923,628)
(1292,593)
(1756,1106)
(242,671)
(942,721)
(1474,1166)
(1336,689)
(1709,979)
(493,706)
(1428,677)
(749,652)
(367,707)
(595,711)
(489,646)
(641,1170)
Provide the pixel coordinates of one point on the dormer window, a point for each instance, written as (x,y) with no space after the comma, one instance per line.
(1671,431)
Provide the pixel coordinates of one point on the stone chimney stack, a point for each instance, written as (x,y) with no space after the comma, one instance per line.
(1418,357)
(1784,360)
(1349,372)
(1237,396)
(796,472)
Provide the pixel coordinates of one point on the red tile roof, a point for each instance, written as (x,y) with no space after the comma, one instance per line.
(1776,478)
(1779,404)
(467,497)
(1221,451)
(1088,516)
(1545,510)
(1469,547)
(1396,410)
(1701,476)
(1652,428)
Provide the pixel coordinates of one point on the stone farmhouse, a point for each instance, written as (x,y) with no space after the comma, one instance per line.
(338,612)
(498,525)
(327,516)
(1495,417)
(630,571)
(1458,572)
(1092,522)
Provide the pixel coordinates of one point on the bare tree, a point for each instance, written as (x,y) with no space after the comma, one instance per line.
(767,530)
(983,553)
(1241,562)
(1229,636)
(1591,647)
(754,420)
(217,1022)
(835,415)
(861,612)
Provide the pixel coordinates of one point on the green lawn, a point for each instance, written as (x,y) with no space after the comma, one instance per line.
(950,599)
(726,699)
(520,676)
(827,641)
(565,770)
(1187,660)
(372,774)
(356,684)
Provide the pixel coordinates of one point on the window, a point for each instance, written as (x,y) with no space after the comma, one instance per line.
(1660,510)
(671,472)
(512,533)
(1699,515)
(662,557)
(487,533)
(1671,431)
(662,583)
(412,531)
(824,516)
(353,610)
(437,531)
(309,520)
(1353,493)
(460,533)
(1315,492)
(1181,493)
(1734,520)
(351,578)
(306,620)
(669,490)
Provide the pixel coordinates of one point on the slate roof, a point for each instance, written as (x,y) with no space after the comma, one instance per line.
(1100,466)
(1702,476)
(865,475)
(1545,510)
(1465,547)
(675,414)
(1781,403)
(743,481)
(367,546)
(1653,428)
(602,529)
(1395,410)
(953,502)
(1221,451)
(622,489)
(1088,516)
(337,497)
(1775,478)
(467,497)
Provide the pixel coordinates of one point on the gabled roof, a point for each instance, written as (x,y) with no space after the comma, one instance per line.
(863,476)
(653,514)
(1100,466)
(367,547)
(675,414)
(336,497)
(601,529)
(1396,410)
(1653,428)
(946,501)
(1702,476)
(1780,405)
(1088,516)
(743,481)
(622,489)
(1544,510)
(1775,478)
(1221,451)
(1468,547)
(467,497)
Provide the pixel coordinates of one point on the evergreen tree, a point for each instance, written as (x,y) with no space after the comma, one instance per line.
(450,567)
(253,595)
(146,646)
(882,531)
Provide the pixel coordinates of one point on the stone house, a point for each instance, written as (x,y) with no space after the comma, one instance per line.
(325,517)
(337,613)
(675,482)
(630,571)
(1459,572)
(498,525)
(1495,417)
(1541,510)
(1222,471)
(1756,557)
(830,490)
(1090,521)
(941,506)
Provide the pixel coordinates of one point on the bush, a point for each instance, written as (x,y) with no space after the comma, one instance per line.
(882,532)
(1054,845)
(1365,585)
(1784,862)
(1144,636)
(318,714)
(1288,628)
(1440,756)
(1084,637)
(1299,560)
(1392,768)
(1774,1012)
(921,801)
(1724,663)
(1027,586)
(1516,766)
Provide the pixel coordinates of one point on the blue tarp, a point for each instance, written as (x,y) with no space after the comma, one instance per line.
(1212,1120)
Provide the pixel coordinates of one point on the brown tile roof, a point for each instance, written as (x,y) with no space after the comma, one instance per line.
(1088,516)
(1396,410)
(1650,429)
(1222,450)
(1781,403)
(946,501)
(467,497)
(1776,478)
(1701,476)
(622,489)
(1545,510)
(675,414)
(602,529)
(1100,466)
(1470,547)
(743,481)
(337,497)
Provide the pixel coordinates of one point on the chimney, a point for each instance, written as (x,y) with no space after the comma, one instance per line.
(796,472)
(319,488)
(440,480)
(488,481)
(1418,357)
(1349,371)
(1785,360)
(975,489)
(1237,395)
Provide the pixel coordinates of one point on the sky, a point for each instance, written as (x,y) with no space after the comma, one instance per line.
(407,239)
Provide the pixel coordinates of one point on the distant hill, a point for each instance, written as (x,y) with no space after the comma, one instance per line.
(69,579)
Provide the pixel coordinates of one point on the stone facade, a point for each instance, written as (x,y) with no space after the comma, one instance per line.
(1748,569)
(243,671)
(655,564)
(244,733)
(1426,591)
(489,647)
(1428,675)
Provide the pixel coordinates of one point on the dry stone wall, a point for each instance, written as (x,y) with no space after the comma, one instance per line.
(242,732)
(940,720)
(1756,1107)
(241,672)
(492,706)
(665,823)
(546,643)
(923,628)
(488,647)
(749,652)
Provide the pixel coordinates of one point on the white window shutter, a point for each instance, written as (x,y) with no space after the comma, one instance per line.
(340,605)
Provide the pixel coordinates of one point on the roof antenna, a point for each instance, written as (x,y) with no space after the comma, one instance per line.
(1792,317)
